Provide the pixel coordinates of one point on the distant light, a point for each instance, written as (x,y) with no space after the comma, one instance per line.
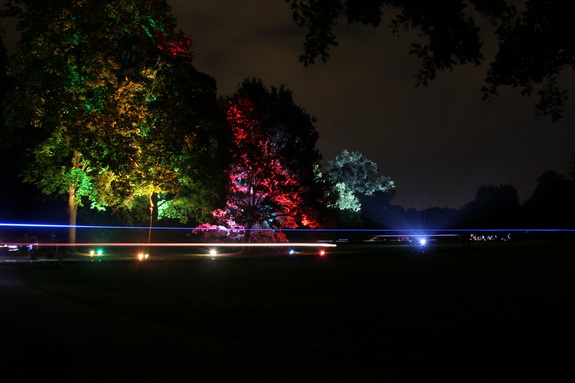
(292,252)
(143,256)
(423,241)
(213,252)
(96,252)
(322,253)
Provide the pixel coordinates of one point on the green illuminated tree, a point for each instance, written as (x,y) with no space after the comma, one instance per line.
(354,176)
(113,104)
(534,39)
(178,165)
(61,82)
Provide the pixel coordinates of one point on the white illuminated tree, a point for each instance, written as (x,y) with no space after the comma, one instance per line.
(354,176)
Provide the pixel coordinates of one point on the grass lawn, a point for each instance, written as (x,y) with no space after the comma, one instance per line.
(495,312)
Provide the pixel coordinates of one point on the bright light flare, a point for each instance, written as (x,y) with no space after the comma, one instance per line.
(143,256)
(423,242)
(322,253)
(213,252)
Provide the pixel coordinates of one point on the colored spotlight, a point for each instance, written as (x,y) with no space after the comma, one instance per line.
(292,252)
(322,253)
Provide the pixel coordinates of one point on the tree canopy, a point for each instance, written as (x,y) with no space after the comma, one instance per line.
(495,205)
(552,204)
(115,108)
(273,177)
(534,38)
(354,176)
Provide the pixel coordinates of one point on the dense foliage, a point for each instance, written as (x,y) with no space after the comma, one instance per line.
(274,178)
(114,107)
(101,104)
(354,176)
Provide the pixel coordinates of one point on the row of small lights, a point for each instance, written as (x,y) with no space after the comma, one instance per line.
(213,252)
(99,252)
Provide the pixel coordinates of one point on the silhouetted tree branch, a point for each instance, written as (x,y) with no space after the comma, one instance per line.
(535,39)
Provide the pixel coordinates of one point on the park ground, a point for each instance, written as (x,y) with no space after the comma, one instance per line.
(491,312)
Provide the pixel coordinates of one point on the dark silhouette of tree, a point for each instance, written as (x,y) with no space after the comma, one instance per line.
(3,77)
(552,204)
(535,38)
(494,206)
(274,175)
(572,169)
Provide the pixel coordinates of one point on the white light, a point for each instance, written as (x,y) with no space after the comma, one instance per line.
(292,252)
(423,241)
(213,252)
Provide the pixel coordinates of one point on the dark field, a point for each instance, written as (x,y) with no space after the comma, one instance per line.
(495,312)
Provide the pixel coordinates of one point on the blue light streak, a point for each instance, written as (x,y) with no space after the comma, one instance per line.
(397,230)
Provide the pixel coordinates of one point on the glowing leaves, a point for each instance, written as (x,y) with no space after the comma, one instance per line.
(358,174)
(346,199)
(92,82)
(270,176)
(352,176)
(242,119)
(158,24)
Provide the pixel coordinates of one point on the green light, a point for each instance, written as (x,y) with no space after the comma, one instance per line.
(100,252)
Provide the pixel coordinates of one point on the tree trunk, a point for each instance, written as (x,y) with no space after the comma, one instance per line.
(72,204)
(248,235)
(153,198)
(72,215)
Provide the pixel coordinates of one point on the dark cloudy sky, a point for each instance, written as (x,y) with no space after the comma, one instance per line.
(438,144)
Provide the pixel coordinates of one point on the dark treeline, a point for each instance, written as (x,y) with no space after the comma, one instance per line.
(550,206)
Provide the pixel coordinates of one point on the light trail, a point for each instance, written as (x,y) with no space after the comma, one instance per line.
(398,230)
(173,244)
(415,235)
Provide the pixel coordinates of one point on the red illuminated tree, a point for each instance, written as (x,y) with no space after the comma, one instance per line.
(274,172)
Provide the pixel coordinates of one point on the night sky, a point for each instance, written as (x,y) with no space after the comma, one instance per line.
(437,143)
